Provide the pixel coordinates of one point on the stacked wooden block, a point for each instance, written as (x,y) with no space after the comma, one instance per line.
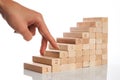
(84,46)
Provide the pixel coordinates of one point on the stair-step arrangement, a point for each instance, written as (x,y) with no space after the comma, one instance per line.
(84,46)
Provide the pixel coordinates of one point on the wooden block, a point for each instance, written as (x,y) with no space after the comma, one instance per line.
(92,29)
(69,40)
(105,29)
(104,35)
(41,68)
(71,60)
(104,61)
(68,47)
(79,59)
(64,67)
(98,57)
(92,46)
(105,24)
(92,58)
(92,35)
(104,46)
(92,63)
(79,29)
(98,41)
(96,63)
(67,67)
(105,38)
(86,58)
(86,64)
(98,46)
(92,52)
(73,40)
(64,61)
(85,46)
(98,35)
(46,60)
(73,35)
(92,41)
(96,19)
(99,29)
(85,52)
(77,47)
(85,35)
(98,52)
(86,24)
(79,65)
(72,66)
(96,24)
(85,41)
(56,53)
(56,68)
(72,53)
(104,56)
(78,53)
(76,35)
(104,51)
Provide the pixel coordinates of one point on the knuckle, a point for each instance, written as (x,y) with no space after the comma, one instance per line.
(39,17)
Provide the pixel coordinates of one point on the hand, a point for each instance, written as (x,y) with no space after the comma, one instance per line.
(25,21)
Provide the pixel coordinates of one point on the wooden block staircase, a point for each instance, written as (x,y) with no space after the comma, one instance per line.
(84,46)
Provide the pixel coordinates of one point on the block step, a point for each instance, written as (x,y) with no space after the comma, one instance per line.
(46,60)
(76,34)
(41,68)
(67,47)
(56,53)
(79,29)
(98,19)
(86,24)
(72,40)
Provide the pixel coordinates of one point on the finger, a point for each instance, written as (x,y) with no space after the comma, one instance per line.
(24,31)
(32,29)
(43,46)
(45,32)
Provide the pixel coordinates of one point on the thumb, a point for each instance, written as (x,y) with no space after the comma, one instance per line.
(27,35)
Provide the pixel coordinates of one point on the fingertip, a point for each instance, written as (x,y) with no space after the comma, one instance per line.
(55,46)
(28,38)
(42,52)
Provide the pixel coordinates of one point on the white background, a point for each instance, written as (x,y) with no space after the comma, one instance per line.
(59,16)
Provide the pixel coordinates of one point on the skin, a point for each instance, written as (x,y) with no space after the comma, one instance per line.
(25,21)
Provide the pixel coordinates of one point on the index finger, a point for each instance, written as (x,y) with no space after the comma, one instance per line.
(42,28)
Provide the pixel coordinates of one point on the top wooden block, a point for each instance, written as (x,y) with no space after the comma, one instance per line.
(96,19)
